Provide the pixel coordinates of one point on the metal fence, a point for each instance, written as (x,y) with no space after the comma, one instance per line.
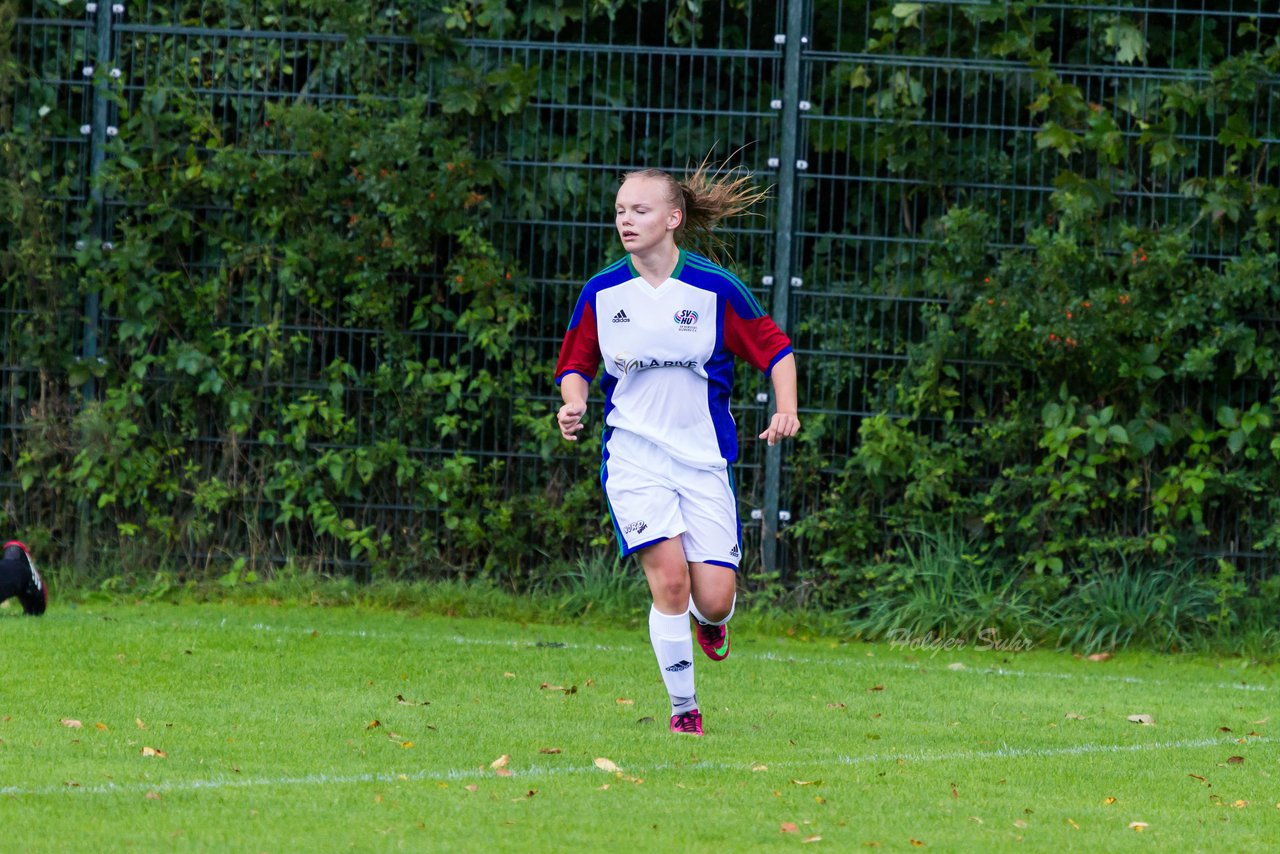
(784,86)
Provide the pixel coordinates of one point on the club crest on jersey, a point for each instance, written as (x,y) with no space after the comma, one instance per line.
(686,320)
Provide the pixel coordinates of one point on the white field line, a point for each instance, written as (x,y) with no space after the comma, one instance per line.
(756,656)
(538,771)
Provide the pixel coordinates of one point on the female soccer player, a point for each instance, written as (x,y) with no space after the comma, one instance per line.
(666,323)
(19,577)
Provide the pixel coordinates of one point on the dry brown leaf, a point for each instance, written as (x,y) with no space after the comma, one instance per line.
(836,706)
(625,701)
(373,724)
(759,767)
(1073,824)
(1108,801)
(1235,760)
(138,722)
(100,726)
(1138,826)
(472,787)
(501,761)
(789,827)
(151,751)
(1198,777)
(606,765)
(402,701)
(955,793)
(875,688)
(1074,716)
(1240,804)
(72,723)
(806,782)
(603,788)
(917,843)
(406,744)
(152,796)
(1100,656)
(503,772)
(812,839)
(548,750)
(956,665)
(1145,720)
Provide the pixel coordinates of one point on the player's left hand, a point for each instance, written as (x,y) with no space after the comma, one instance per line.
(783,425)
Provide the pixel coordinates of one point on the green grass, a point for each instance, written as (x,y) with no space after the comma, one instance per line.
(265,718)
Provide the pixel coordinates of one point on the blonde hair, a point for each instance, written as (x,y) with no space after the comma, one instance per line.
(706,196)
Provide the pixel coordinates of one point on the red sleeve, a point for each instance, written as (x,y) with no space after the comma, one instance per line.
(580,351)
(758,340)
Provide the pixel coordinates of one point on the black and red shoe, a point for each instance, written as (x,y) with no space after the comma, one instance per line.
(35,596)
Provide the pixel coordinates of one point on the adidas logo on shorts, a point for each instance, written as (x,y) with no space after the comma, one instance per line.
(733,552)
(621,317)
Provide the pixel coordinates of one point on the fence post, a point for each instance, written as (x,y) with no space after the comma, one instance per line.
(98,68)
(784,278)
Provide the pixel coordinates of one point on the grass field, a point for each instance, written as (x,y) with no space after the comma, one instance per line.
(290,728)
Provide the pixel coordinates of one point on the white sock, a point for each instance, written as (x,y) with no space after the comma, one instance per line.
(697,615)
(672,642)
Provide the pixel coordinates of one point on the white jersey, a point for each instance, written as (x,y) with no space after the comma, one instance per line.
(668,354)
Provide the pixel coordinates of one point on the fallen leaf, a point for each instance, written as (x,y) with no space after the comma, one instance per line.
(1240,804)
(1100,656)
(1108,801)
(818,799)
(472,788)
(836,706)
(138,722)
(1074,716)
(100,726)
(406,744)
(1017,822)
(759,767)
(956,665)
(917,843)
(72,723)
(1224,729)
(501,761)
(1138,826)
(812,839)
(374,724)
(955,793)
(806,782)
(1073,824)
(789,827)
(402,701)
(1198,777)
(1235,760)
(152,796)
(625,701)
(508,675)
(645,720)
(1145,720)
(548,750)
(603,788)
(151,751)
(876,688)
(605,765)
(503,772)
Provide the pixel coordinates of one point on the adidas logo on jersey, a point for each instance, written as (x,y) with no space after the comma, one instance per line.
(621,317)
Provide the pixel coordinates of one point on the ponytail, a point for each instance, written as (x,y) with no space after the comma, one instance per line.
(706,197)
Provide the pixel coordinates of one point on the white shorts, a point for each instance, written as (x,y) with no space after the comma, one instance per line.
(653,497)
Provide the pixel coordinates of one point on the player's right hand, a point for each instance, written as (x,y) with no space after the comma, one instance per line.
(569,419)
